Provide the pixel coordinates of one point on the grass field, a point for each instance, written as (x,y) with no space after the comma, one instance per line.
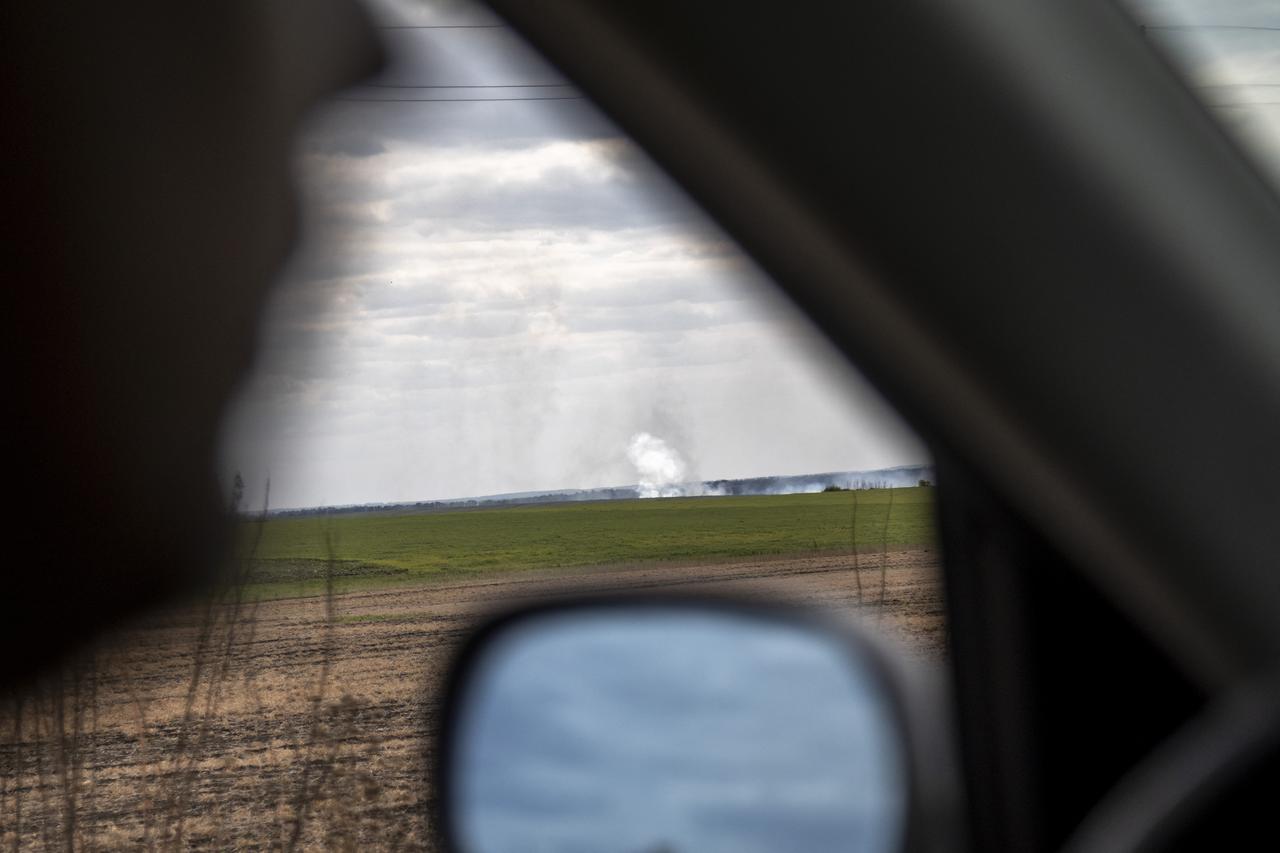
(393,547)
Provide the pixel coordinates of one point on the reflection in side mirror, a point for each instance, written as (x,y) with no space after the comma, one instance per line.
(639,728)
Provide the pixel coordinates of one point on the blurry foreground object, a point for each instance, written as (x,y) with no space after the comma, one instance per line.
(147,208)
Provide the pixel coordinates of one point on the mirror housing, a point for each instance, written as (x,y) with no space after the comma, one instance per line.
(680,724)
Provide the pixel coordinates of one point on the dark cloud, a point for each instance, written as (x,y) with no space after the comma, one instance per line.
(500,125)
(351,143)
(557,197)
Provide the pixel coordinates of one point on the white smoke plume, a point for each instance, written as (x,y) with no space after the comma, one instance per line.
(660,469)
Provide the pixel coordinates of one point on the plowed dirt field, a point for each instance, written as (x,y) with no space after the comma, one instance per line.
(309,722)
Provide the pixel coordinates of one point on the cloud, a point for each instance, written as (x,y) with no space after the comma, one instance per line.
(496,297)
(350,142)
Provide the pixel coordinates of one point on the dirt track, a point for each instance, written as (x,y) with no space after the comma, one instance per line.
(325,710)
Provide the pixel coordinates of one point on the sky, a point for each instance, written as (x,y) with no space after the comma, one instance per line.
(699,731)
(503,297)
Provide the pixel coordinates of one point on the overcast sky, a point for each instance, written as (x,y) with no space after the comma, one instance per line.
(498,297)
(1230,52)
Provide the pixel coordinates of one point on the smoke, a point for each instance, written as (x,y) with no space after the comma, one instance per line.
(661,471)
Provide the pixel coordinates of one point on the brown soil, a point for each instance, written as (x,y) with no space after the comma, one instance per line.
(310,723)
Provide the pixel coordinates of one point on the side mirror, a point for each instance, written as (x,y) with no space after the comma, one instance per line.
(640,727)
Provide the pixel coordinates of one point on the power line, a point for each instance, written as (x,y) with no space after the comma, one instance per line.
(443,27)
(1258,27)
(455,100)
(466,86)
(1210,27)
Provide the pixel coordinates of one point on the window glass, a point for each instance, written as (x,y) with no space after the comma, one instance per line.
(1229,51)
(511,360)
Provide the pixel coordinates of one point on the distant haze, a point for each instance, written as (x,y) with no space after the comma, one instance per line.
(784,484)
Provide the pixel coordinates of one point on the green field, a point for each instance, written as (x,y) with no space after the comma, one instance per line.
(391,547)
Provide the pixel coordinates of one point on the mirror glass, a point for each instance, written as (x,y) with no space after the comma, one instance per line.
(685,730)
